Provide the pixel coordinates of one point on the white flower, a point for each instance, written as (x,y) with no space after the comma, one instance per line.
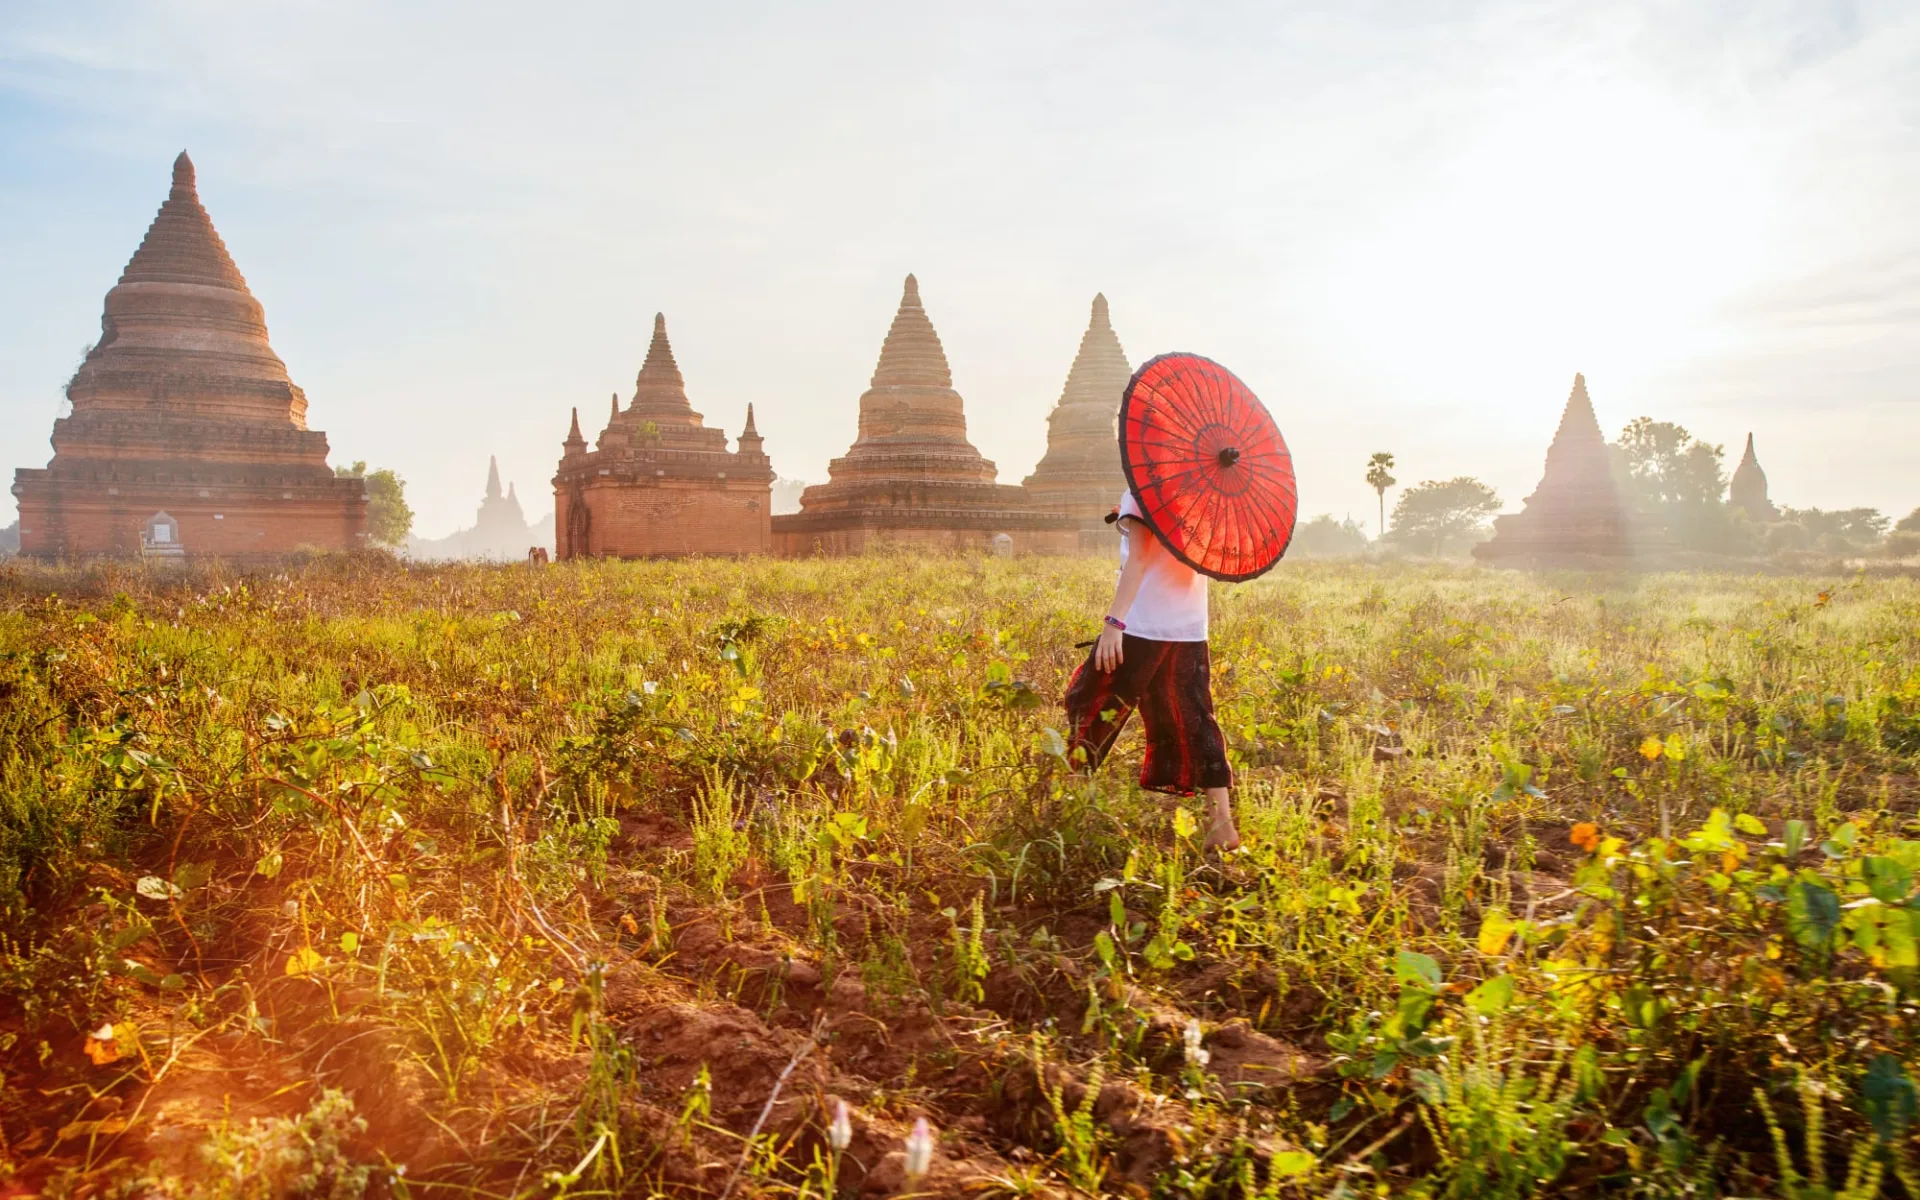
(1197,1055)
(919,1149)
(840,1132)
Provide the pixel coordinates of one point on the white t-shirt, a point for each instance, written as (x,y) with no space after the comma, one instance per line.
(1171,605)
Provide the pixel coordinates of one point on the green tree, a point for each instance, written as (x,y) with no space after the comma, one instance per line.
(1324,537)
(1380,478)
(1837,531)
(1670,475)
(1668,467)
(1442,516)
(1909,523)
(389,520)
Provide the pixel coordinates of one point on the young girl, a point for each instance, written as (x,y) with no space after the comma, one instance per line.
(1152,655)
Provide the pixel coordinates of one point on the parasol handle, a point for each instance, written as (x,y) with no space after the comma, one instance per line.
(1229,455)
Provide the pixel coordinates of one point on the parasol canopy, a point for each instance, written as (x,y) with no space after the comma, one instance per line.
(1208,466)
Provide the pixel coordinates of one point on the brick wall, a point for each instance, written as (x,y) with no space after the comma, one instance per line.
(64,521)
(670,518)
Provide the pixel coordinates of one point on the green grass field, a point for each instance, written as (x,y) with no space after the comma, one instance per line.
(617,879)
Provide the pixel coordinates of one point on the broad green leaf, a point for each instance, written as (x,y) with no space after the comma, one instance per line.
(1887,880)
(1900,939)
(1412,967)
(1889,1097)
(1813,912)
(1749,824)
(1491,997)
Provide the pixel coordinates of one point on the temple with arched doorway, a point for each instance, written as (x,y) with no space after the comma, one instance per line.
(659,482)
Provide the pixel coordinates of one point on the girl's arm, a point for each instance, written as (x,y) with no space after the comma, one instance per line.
(1107,654)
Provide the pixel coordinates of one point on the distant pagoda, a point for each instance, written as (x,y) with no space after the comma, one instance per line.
(659,482)
(187,438)
(1577,515)
(911,476)
(1748,489)
(498,513)
(1080,474)
(500,530)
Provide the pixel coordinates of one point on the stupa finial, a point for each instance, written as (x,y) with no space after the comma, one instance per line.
(750,431)
(493,478)
(911,355)
(183,172)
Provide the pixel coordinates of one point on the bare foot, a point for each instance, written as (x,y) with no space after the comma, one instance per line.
(1225,840)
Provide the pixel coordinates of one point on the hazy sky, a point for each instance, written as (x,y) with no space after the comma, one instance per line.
(1406,225)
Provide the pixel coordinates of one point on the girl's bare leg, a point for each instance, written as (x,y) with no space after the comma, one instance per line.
(1221,833)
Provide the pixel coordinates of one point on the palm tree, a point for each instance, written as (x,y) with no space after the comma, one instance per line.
(1380,479)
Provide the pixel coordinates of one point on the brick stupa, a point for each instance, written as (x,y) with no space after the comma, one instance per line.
(1080,474)
(660,483)
(1576,516)
(1747,490)
(911,476)
(187,438)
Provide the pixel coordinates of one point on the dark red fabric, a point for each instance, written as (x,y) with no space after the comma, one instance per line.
(1213,475)
(1170,684)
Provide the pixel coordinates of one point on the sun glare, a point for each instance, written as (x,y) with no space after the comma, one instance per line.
(1595,228)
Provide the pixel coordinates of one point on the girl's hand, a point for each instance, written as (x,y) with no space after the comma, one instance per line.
(1107,653)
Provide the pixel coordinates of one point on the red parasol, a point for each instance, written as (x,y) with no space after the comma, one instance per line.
(1212,474)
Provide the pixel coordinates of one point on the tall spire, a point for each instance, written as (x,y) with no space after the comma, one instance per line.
(1747,490)
(912,355)
(1081,470)
(1579,429)
(1576,510)
(575,444)
(750,439)
(1100,373)
(493,478)
(659,391)
(181,245)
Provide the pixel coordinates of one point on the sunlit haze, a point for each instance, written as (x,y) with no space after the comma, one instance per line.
(1405,225)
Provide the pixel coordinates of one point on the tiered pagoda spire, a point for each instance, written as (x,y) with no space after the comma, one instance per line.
(1576,513)
(913,425)
(659,391)
(911,475)
(1081,470)
(660,413)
